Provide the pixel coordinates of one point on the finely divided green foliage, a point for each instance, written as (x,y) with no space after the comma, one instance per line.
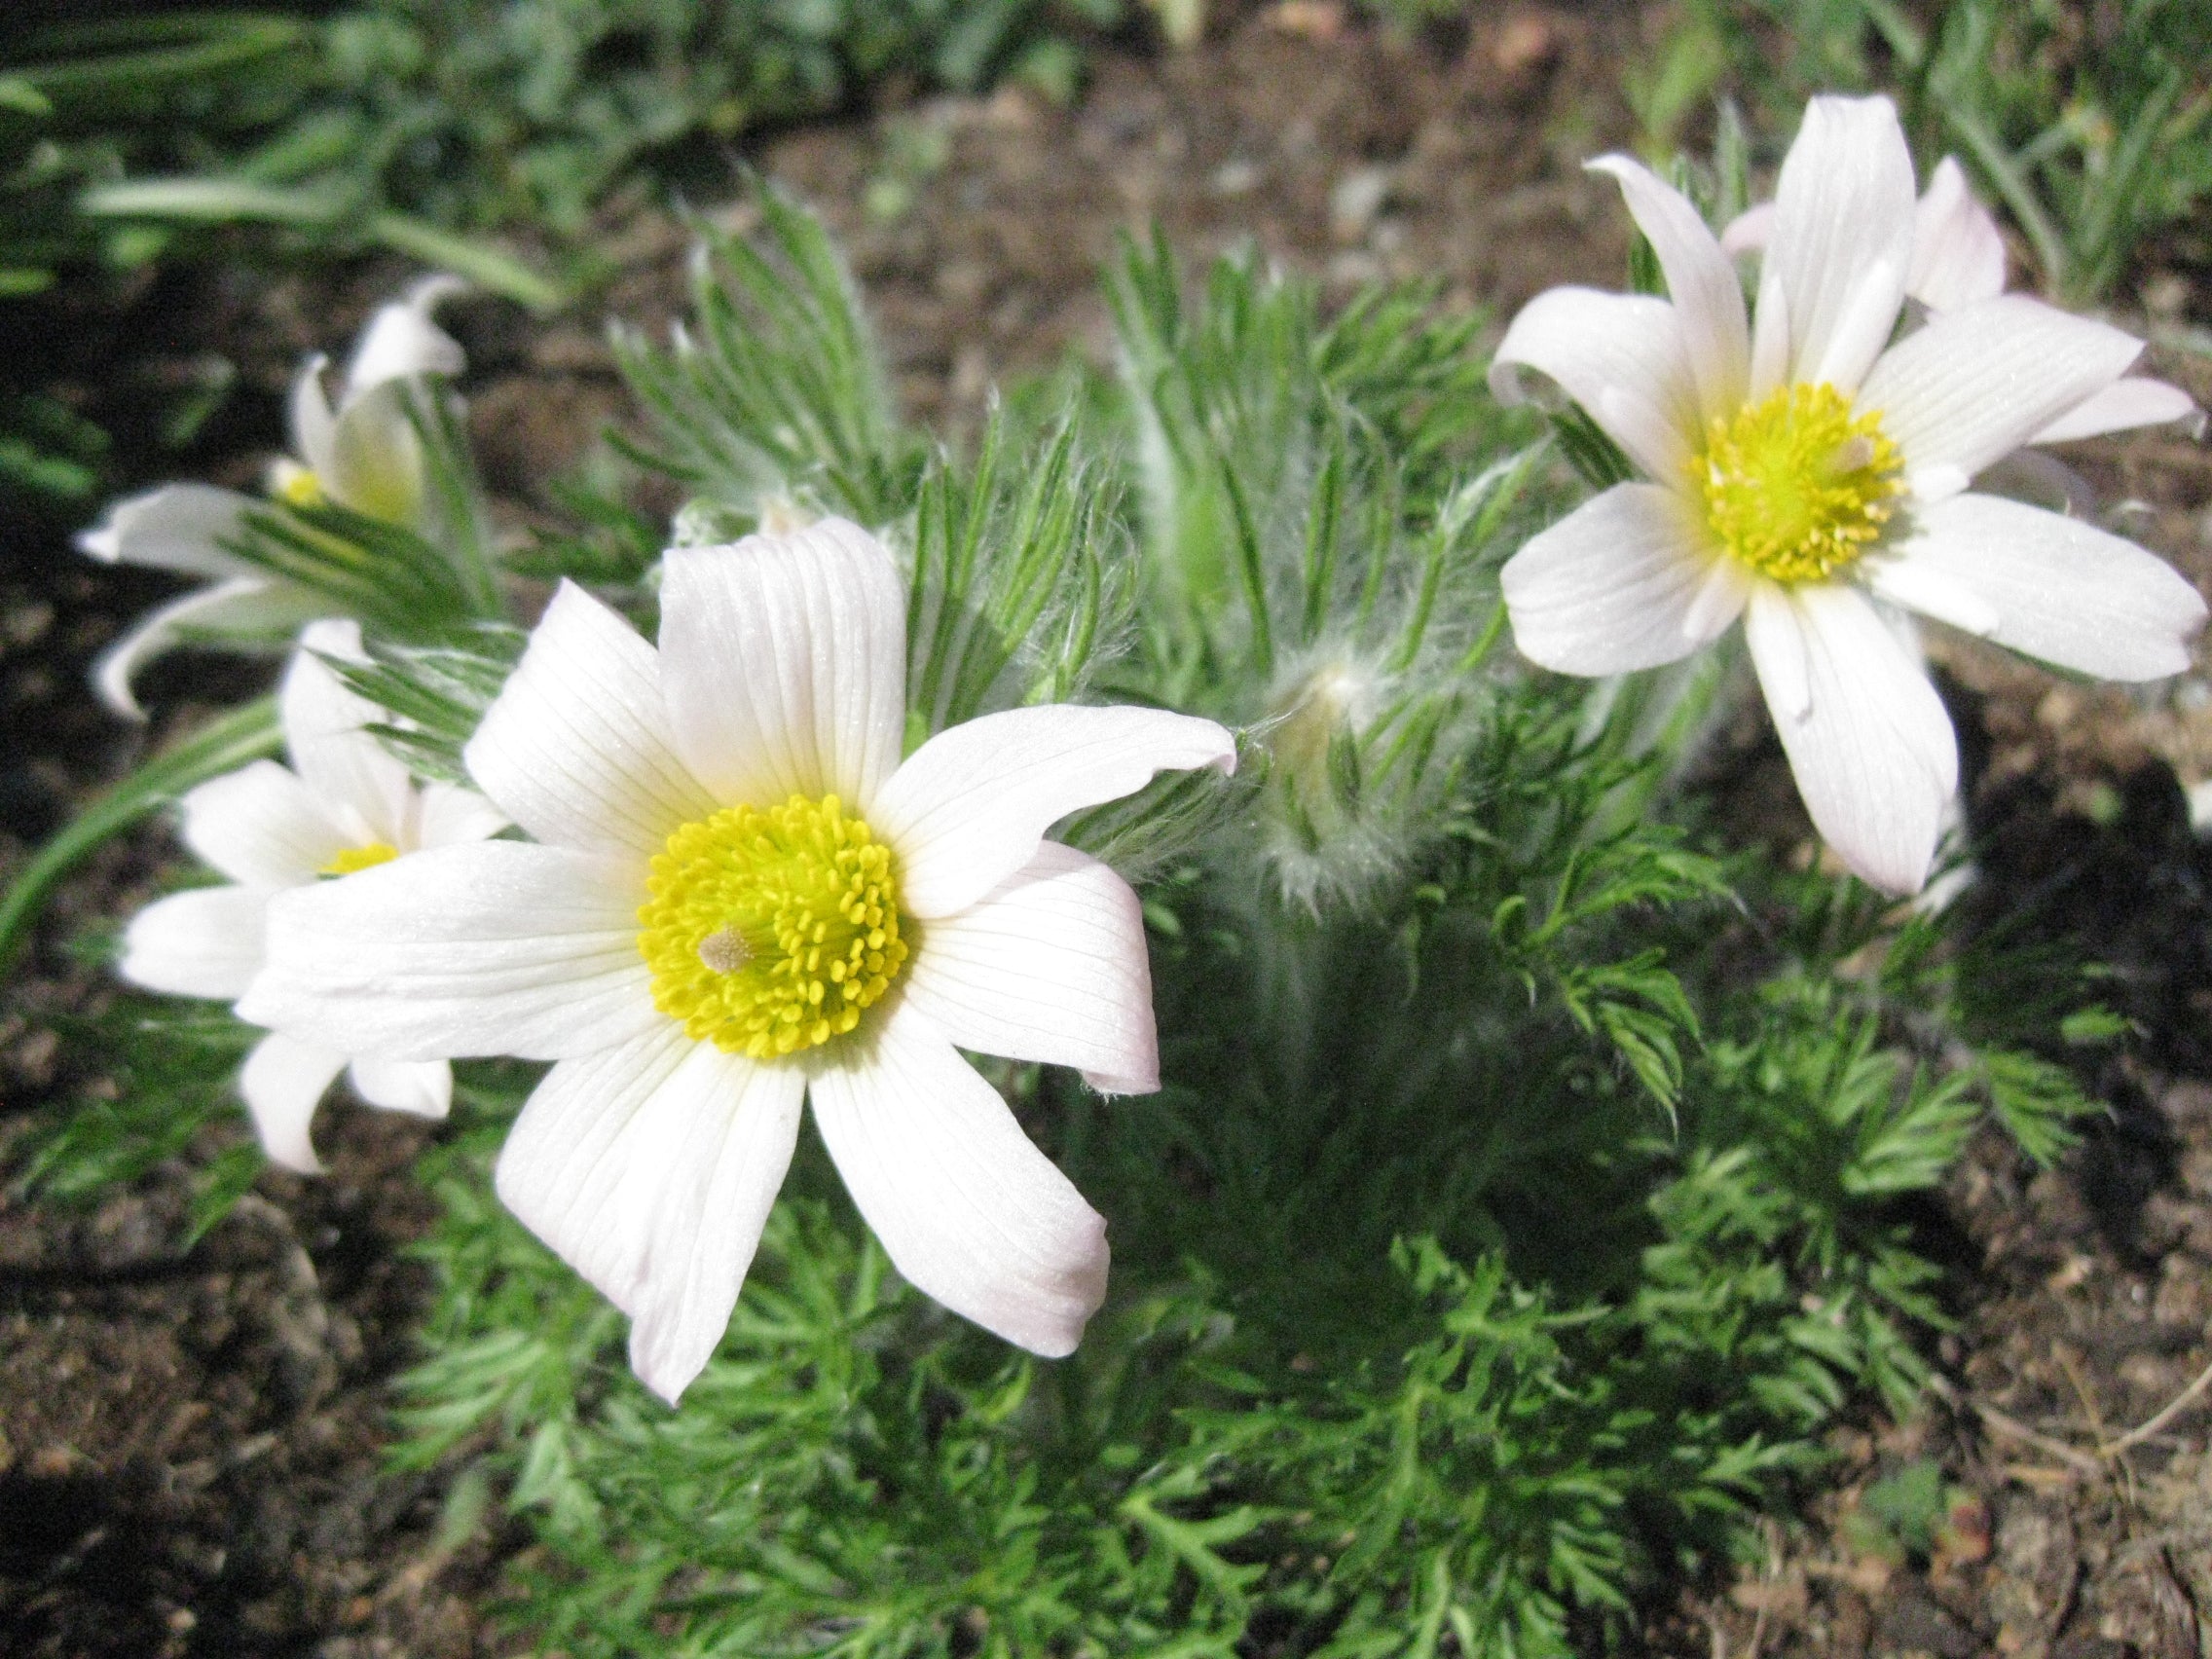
(168,1092)
(402,582)
(1023,577)
(1325,508)
(435,694)
(774,392)
(1519,1206)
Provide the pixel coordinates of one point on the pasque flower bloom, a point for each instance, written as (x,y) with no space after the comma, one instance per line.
(363,454)
(346,804)
(1806,474)
(740,896)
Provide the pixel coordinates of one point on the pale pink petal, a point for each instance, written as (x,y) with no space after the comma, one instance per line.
(1867,738)
(1623,357)
(651,1169)
(325,733)
(1049,966)
(420,1089)
(401,341)
(2060,589)
(262,826)
(783,664)
(1977,383)
(1842,239)
(495,948)
(1701,281)
(967,1208)
(1958,253)
(968,807)
(207,942)
(247,610)
(178,527)
(577,748)
(447,815)
(1613,585)
(283,1080)
(2134,400)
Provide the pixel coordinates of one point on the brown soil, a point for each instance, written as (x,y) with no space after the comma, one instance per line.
(189,1442)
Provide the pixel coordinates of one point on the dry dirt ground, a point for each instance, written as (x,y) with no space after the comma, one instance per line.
(190,1440)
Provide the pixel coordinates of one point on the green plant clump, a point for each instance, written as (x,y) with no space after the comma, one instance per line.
(1531,1183)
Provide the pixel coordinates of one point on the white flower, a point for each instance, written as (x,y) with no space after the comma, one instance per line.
(742,895)
(364,455)
(1957,259)
(1805,467)
(346,804)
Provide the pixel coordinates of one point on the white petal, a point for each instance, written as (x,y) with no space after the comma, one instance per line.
(262,826)
(1623,357)
(651,1168)
(1613,586)
(495,948)
(1867,737)
(1049,966)
(783,664)
(324,732)
(247,610)
(1842,240)
(968,807)
(447,815)
(375,464)
(422,1089)
(1770,333)
(577,749)
(1720,599)
(1701,281)
(2058,589)
(1977,383)
(178,527)
(401,341)
(207,942)
(967,1208)
(1922,586)
(1958,253)
(2135,400)
(283,1080)
(311,421)
(1749,232)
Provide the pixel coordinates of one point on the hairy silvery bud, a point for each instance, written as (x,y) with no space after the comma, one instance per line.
(1324,838)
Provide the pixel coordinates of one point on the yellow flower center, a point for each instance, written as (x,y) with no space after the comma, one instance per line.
(296,486)
(1794,485)
(769,932)
(366,857)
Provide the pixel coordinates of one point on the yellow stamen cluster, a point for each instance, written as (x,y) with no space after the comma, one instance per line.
(768,932)
(296,486)
(1795,486)
(366,857)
